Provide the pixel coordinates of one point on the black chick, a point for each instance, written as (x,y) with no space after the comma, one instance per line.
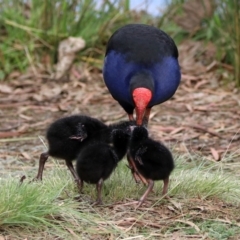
(97,161)
(65,139)
(152,159)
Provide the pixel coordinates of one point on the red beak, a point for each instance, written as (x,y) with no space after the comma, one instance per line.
(141,98)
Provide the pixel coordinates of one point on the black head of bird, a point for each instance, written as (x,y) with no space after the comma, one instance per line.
(81,132)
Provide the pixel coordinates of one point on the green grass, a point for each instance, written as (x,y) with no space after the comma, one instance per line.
(204,179)
(212,228)
(35,28)
(36,209)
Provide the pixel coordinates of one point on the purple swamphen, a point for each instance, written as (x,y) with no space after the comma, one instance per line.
(141,69)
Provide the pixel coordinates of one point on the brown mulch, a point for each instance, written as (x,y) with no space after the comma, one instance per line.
(203,116)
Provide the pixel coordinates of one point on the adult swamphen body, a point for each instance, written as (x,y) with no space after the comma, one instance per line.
(141,69)
(65,139)
(97,160)
(152,159)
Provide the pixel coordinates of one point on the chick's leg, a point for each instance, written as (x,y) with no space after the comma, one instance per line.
(165,186)
(136,175)
(99,192)
(144,196)
(73,172)
(42,160)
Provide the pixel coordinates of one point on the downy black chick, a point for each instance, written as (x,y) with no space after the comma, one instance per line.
(152,159)
(65,139)
(97,160)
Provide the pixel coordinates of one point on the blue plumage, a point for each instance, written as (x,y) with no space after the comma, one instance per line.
(118,73)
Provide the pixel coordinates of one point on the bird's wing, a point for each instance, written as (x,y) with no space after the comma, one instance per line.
(139,152)
(139,159)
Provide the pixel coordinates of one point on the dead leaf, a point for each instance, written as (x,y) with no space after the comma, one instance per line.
(26,155)
(171,208)
(63,107)
(5,88)
(215,154)
(177,130)
(176,204)
(25,117)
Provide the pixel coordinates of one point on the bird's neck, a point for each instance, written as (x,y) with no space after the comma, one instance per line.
(139,135)
(142,79)
(120,148)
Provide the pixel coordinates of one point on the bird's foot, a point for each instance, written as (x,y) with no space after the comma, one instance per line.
(79,185)
(166,197)
(36,179)
(140,202)
(97,202)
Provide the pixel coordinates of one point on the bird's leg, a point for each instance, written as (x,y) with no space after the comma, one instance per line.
(136,175)
(149,189)
(165,186)
(99,192)
(73,172)
(146,117)
(140,176)
(80,185)
(130,117)
(42,160)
